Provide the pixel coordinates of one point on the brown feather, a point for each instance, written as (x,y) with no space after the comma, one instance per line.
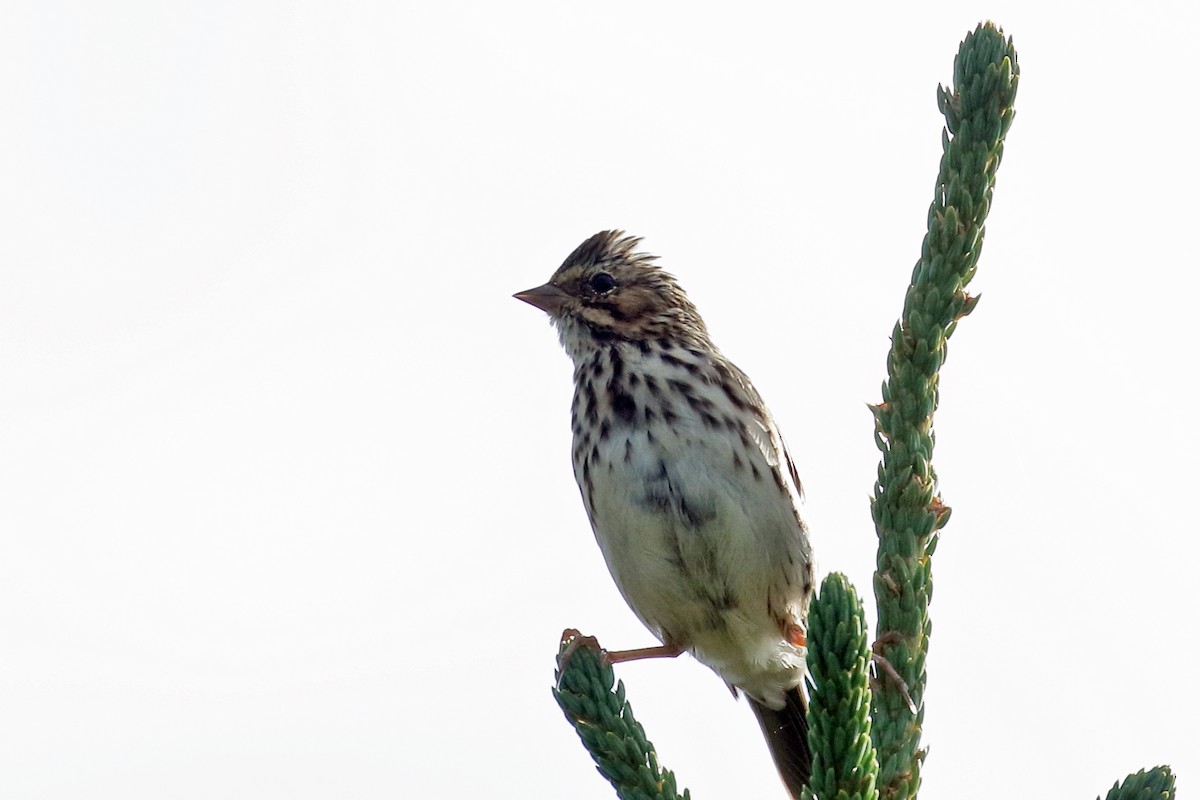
(786,732)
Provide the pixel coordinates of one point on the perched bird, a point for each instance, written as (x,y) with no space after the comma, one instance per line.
(692,496)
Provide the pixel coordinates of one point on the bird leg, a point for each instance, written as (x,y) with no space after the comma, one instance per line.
(662,651)
(573,640)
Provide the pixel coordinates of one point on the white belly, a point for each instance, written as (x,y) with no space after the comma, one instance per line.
(707,555)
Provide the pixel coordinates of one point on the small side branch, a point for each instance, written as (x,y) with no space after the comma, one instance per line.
(839,711)
(605,723)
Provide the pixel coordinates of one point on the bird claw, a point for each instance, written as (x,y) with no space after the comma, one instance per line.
(570,641)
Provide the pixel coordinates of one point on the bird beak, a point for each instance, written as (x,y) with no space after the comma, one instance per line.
(547,297)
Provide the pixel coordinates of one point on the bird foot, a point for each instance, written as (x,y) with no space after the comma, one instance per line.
(570,641)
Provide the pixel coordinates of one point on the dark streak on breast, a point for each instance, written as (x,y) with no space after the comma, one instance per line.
(624,406)
(589,396)
(665,497)
(617,363)
(680,387)
(586,473)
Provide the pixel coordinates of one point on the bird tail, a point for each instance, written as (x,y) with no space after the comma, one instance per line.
(786,731)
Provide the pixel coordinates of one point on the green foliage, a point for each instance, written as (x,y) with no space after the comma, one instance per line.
(1153,784)
(866,735)
(605,723)
(906,508)
(839,711)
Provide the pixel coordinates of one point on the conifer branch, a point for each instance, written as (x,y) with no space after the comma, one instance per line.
(839,711)
(605,723)
(1153,784)
(906,507)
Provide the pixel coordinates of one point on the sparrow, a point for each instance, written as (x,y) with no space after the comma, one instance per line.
(692,496)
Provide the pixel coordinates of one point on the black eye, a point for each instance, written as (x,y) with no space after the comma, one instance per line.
(602,283)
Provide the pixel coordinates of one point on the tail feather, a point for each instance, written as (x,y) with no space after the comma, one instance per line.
(786,731)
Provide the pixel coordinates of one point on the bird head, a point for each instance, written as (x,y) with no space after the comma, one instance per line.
(606,291)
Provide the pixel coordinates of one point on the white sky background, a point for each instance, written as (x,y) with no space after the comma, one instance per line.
(286,508)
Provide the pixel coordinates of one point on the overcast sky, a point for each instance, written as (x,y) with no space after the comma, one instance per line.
(286,505)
